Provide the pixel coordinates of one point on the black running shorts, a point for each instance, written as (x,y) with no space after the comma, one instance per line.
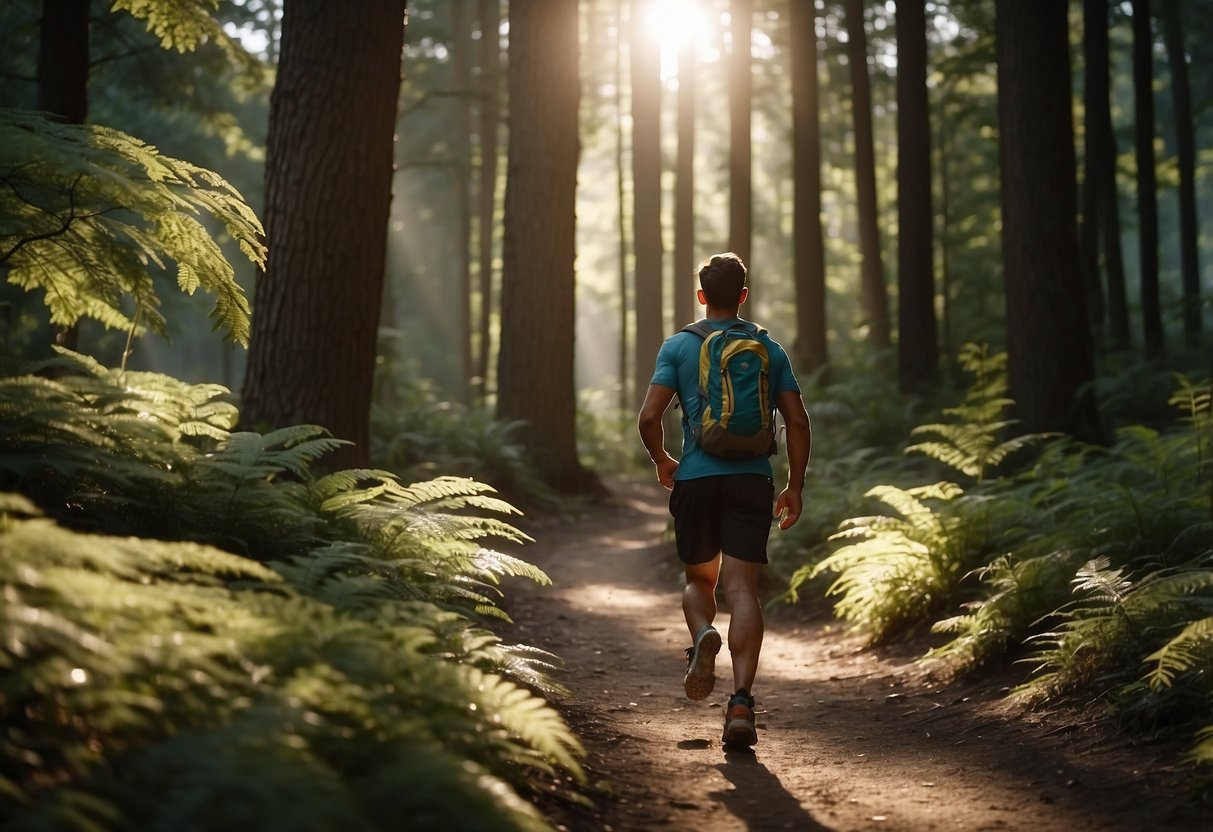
(729,514)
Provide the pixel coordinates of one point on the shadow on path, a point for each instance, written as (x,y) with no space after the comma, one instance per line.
(758,798)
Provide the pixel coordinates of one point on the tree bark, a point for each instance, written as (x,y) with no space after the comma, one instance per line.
(627,394)
(646,195)
(461,42)
(741,205)
(1100,207)
(63,59)
(873,293)
(535,364)
(1147,178)
(1050,352)
(811,347)
(490,102)
(1181,96)
(685,281)
(917,342)
(328,190)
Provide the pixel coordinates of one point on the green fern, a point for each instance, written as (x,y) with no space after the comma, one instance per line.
(1114,624)
(88,210)
(1018,593)
(971,446)
(893,571)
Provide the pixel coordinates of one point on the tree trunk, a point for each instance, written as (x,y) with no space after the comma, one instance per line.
(1048,335)
(917,344)
(809,266)
(63,60)
(646,195)
(328,192)
(873,294)
(1100,207)
(685,282)
(1181,95)
(1147,178)
(627,394)
(461,42)
(741,208)
(1095,148)
(490,101)
(535,364)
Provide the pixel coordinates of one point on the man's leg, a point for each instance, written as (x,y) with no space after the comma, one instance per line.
(699,597)
(745,618)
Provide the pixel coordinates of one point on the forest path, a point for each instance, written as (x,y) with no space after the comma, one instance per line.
(849,739)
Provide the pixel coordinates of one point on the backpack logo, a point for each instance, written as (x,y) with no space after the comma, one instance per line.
(736,417)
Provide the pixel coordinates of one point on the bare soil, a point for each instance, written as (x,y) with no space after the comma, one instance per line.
(849,738)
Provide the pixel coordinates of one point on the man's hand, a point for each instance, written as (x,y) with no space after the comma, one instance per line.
(788,507)
(665,472)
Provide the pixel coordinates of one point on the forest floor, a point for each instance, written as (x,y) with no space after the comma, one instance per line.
(850,738)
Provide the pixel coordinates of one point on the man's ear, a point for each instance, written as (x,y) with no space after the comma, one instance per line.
(745,292)
(703,299)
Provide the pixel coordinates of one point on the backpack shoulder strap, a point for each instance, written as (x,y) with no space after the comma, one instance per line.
(700,328)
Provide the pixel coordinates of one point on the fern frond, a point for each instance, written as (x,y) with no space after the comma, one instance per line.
(1191,649)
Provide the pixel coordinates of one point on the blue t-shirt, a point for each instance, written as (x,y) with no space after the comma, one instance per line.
(678,368)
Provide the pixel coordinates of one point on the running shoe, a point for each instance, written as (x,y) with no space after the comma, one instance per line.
(739,727)
(701,664)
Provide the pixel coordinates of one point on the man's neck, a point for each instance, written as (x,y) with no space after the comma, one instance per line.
(718,314)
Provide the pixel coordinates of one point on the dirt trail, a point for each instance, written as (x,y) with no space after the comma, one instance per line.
(848,739)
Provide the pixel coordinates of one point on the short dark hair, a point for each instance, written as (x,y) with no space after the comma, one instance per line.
(722,277)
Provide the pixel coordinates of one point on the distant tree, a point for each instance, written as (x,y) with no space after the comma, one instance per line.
(461,58)
(1147,178)
(63,60)
(1049,345)
(646,193)
(627,395)
(328,189)
(535,363)
(741,207)
(1100,203)
(917,344)
(63,63)
(489,103)
(811,346)
(873,293)
(684,188)
(1181,96)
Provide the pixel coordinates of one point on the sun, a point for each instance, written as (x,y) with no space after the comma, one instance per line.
(675,23)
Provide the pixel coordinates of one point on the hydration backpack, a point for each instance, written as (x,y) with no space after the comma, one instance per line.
(736,418)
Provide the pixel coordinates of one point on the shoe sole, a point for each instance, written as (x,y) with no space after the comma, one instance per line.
(740,732)
(701,675)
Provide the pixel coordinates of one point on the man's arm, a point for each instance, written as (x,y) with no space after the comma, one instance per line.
(652,434)
(800,442)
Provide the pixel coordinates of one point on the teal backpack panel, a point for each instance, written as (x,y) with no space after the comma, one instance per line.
(737,419)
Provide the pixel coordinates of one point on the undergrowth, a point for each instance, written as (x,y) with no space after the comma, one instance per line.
(192,613)
(1092,564)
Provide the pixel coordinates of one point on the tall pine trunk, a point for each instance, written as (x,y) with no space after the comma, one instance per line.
(646,195)
(328,189)
(1049,341)
(873,294)
(811,346)
(461,40)
(535,365)
(741,207)
(917,345)
(1147,178)
(685,282)
(627,394)
(1100,202)
(63,60)
(1181,96)
(490,100)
